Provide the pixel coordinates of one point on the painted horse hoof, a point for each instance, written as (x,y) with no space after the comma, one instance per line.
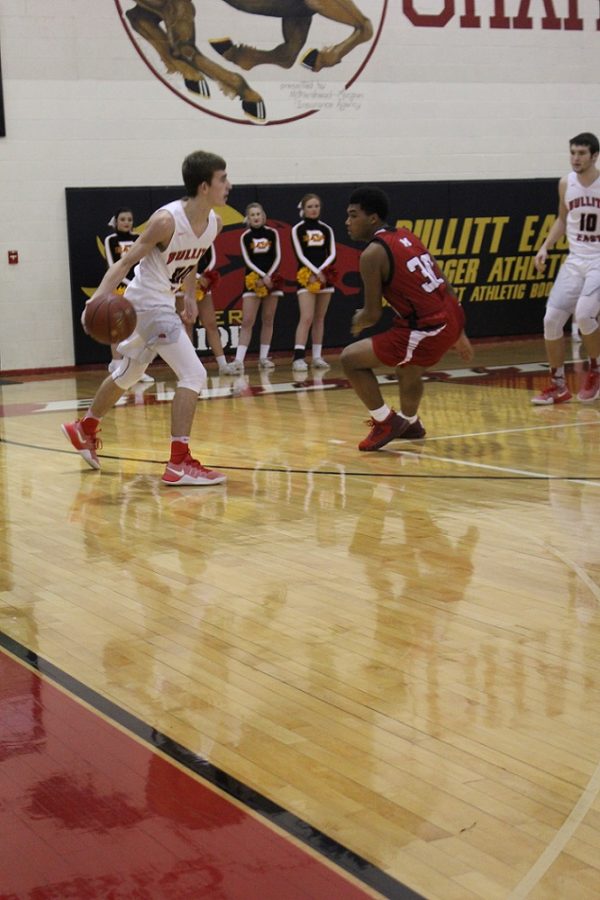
(309,60)
(255,109)
(198,87)
(221,45)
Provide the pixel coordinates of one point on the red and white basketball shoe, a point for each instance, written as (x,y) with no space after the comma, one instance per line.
(87,445)
(590,389)
(552,394)
(190,472)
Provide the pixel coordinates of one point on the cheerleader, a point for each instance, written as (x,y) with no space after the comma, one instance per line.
(116,245)
(206,278)
(261,252)
(314,245)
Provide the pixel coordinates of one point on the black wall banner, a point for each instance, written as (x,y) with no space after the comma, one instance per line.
(484,235)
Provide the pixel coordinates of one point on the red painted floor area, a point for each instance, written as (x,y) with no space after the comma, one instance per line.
(86,811)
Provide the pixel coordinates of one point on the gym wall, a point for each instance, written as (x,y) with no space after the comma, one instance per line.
(462,94)
(485,241)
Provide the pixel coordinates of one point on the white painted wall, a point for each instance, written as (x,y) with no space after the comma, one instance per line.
(433,103)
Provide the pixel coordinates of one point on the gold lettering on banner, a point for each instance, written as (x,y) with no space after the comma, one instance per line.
(466,250)
(521,268)
(498,292)
(460,271)
(455,236)
(535,231)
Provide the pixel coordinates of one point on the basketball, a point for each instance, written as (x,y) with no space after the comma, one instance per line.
(110,320)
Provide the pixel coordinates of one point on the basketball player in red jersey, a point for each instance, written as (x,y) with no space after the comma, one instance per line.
(166,260)
(428,318)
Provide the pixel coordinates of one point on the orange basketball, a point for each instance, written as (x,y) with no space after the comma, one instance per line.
(110,320)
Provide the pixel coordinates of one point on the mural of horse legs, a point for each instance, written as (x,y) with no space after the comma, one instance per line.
(296,16)
(175,44)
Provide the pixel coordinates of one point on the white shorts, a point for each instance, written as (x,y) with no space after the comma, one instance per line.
(576,278)
(161,332)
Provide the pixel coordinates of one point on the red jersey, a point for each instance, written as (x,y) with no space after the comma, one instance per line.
(415,288)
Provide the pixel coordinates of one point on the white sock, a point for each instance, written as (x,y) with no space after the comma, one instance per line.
(380,414)
(317,350)
(411,419)
(221,361)
(264,350)
(240,353)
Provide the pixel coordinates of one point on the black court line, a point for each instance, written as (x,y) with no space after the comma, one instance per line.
(318,841)
(348,474)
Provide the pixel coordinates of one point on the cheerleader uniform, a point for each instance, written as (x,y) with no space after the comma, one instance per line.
(261,252)
(206,264)
(115,245)
(314,245)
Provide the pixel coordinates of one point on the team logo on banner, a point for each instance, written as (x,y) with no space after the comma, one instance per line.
(267,67)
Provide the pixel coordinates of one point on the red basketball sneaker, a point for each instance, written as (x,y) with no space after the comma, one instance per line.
(414,432)
(590,389)
(86,444)
(552,394)
(190,471)
(382,433)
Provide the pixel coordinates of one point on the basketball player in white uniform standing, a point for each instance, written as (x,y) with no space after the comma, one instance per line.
(576,290)
(168,251)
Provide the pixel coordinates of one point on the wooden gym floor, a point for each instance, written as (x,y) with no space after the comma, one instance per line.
(339,675)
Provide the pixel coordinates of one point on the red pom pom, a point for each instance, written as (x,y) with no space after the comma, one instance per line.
(212,277)
(330,274)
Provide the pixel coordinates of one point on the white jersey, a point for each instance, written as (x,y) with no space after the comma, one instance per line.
(583,217)
(158,276)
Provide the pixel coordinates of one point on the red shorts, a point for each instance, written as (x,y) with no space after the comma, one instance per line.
(402,346)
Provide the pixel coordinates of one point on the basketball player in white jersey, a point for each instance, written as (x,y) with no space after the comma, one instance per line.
(168,251)
(576,290)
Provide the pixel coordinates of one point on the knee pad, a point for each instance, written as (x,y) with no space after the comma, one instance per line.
(586,313)
(194,379)
(128,373)
(554,323)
